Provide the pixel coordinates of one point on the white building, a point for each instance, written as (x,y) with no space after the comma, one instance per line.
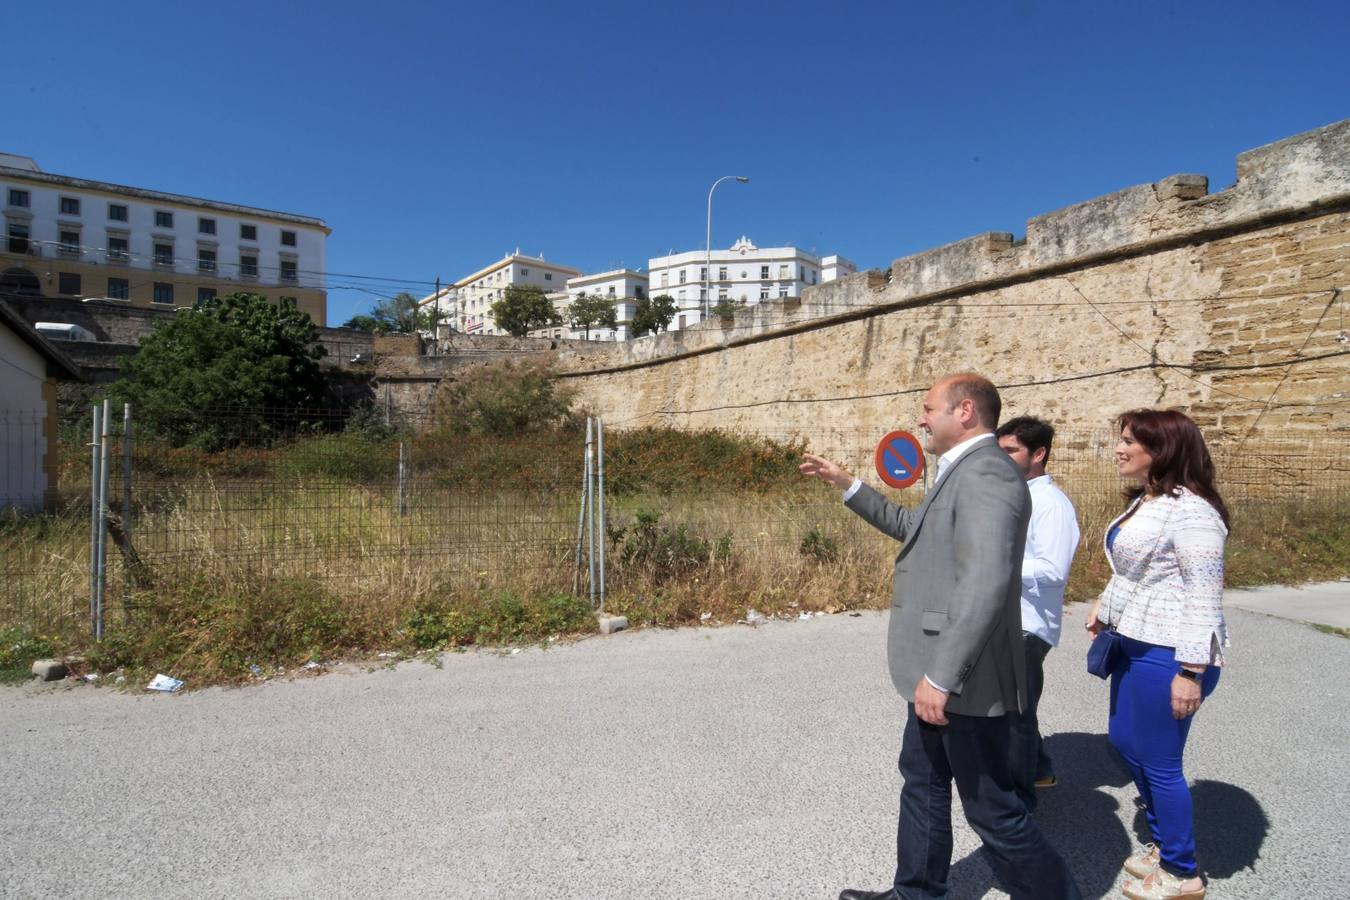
(29,370)
(77,238)
(469,300)
(624,286)
(742,274)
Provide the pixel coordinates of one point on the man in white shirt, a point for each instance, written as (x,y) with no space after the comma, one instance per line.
(1052,538)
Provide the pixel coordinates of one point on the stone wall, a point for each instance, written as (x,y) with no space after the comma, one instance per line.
(1225,304)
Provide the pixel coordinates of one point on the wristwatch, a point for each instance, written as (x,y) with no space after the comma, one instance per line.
(1189,675)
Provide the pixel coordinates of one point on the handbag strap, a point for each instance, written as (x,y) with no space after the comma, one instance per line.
(1162,531)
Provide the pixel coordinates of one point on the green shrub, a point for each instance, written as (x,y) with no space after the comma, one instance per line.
(502,399)
(819,547)
(18,648)
(202,629)
(494,618)
(666,552)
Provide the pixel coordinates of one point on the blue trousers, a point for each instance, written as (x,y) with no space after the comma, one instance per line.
(1152,742)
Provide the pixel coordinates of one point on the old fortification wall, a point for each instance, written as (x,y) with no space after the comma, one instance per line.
(1224,304)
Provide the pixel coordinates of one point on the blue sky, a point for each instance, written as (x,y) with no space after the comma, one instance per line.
(436,137)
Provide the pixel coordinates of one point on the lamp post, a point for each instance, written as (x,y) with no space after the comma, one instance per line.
(707,243)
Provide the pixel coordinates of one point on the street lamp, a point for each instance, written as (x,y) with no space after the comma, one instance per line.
(707,243)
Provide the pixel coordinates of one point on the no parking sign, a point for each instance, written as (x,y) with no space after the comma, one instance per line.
(899,459)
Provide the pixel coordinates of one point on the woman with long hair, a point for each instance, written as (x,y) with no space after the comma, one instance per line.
(1165,600)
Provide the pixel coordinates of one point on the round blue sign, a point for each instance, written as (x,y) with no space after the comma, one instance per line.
(899,459)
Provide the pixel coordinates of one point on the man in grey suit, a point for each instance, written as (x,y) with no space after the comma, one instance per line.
(955,649)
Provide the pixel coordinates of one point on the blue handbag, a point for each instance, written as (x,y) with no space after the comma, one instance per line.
(1103,652)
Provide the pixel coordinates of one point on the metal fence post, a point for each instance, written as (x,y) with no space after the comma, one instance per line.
(402,481)
(126,494)
(600,499)
(94,521)
(105,452)
(590,507)
(581,530)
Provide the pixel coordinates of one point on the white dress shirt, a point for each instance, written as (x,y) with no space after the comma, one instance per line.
(1052,539)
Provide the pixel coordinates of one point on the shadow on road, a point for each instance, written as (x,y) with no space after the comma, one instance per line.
(1078,819)
(1083,822)
(1230,827)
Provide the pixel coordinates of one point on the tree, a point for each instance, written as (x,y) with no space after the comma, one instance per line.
(653,314)
(725,307)
(219,374)
(362,323)
(400,314)
(523,308)
(594,311)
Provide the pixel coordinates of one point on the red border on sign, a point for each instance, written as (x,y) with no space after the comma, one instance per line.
(881,467)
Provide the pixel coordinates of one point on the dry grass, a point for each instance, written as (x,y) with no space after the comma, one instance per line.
(245,576)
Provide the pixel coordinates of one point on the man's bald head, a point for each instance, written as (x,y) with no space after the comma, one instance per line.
(979,390)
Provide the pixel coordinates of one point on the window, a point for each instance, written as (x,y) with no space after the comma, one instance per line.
(744,273)
(288,238)
(702,273)
(164,255)
(721,273)
(206,260)
(117,212)
(288,270)
(70,206)
(639,291)
(248,266)
(785,271)
(702,294)
(163,219)
(18,237)
(665,279)
(763,271)
(764,292)
(611,290)
(248,232)
(18,198)
(548,276)
(206,226)
(682,276)
(68,283)
(119,289)
(721,293)
(163,292)
(782,290)
(68,243)
(524,272)
(117,249)
(205,294)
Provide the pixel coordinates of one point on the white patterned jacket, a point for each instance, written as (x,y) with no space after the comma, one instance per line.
(1166,586)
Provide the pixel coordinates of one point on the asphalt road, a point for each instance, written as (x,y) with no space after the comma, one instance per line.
(697,763)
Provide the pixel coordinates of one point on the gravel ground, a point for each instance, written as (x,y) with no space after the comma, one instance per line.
(710,762)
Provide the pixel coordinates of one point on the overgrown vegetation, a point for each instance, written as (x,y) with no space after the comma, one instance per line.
(217,375)
(666,552)
(503,400)
(312,547)
(19,647)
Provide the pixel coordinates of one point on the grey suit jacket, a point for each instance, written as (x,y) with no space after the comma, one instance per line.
(956,609)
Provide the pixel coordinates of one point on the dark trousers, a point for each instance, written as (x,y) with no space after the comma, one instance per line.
(973,752)
(1028,759)
(1152,743)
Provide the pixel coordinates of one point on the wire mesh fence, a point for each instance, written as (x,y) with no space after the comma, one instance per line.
(381,514)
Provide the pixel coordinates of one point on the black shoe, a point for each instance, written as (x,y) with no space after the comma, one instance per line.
(856,894)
